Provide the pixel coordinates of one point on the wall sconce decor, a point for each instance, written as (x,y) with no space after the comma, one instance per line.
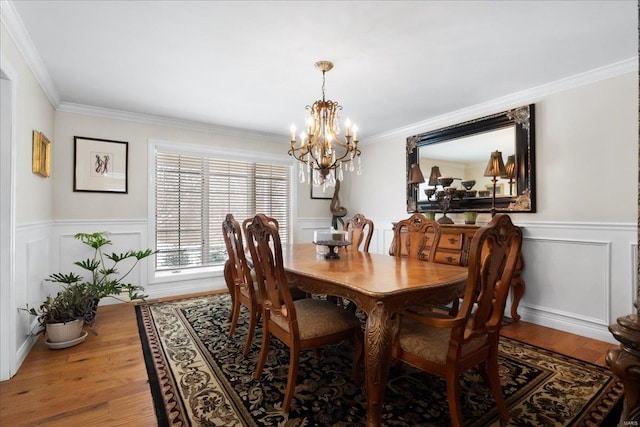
(495,168)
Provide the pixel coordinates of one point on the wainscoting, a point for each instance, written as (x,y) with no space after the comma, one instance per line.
(580,277)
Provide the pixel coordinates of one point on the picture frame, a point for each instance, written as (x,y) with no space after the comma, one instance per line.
(317,193)
(499,189)
(41,156)
(100,165)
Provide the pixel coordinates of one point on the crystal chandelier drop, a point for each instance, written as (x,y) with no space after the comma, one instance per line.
(323,155)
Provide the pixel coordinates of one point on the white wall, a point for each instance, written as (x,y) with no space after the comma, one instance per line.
(33,199)
(580,245)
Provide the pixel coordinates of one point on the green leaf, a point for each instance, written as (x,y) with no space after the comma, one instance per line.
(69,279)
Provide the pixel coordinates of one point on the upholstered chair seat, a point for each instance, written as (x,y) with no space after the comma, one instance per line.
(316,318)
(432,344)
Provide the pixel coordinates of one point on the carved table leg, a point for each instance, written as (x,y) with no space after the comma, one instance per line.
(625,364)
(378,358)
(517,287)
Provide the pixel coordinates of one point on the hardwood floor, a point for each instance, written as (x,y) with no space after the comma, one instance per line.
(103,381)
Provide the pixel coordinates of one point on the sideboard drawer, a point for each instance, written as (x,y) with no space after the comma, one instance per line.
(448,257)
(451,241)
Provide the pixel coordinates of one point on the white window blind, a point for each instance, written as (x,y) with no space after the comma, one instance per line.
(194,193)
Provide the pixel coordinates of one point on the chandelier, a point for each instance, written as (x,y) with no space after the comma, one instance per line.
(323,155)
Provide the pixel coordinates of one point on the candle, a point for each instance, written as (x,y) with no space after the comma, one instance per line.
(293,132)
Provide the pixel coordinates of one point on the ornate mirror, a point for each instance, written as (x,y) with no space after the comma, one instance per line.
(458,155)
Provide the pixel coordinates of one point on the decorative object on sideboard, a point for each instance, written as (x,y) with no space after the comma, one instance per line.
(337,212)
(445,196)
(321,151)
(100,165)
(495,168)
(415,178)
(470,217)
(41,156)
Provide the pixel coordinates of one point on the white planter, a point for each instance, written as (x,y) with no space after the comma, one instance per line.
(63,332)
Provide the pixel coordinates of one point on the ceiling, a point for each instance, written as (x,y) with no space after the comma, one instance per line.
(250,64)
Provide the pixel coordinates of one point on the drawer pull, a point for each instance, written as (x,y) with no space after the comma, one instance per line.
(452,240)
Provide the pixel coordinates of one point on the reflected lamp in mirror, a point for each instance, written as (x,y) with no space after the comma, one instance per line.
(415,178)
(510,168)
(434,175)
(495,168)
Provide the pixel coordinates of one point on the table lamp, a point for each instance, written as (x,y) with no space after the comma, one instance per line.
(495,168)
(415,177)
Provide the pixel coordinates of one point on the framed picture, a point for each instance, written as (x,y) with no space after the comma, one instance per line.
(41,163)
(317,193)
(499,188)
(100,165)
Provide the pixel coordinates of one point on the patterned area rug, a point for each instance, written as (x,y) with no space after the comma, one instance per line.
(199,377)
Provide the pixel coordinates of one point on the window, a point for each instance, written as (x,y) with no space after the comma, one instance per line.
(194,192)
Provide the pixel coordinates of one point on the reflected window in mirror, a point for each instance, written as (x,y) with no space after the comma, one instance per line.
(455,159)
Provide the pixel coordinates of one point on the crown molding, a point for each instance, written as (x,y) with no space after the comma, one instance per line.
(23,42)
(68,107)
(513,100)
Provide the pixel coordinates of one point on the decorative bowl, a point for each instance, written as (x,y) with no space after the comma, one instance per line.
(468,185)
(471,193)
(445,182)
(484,193)
(429,192)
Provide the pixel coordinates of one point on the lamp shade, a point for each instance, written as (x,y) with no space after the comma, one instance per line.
(510,167)
(434,175)
(495,167)
(415,174)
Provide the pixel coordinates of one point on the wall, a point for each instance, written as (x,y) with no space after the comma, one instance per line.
(32,205)
(91,206)
(580,246)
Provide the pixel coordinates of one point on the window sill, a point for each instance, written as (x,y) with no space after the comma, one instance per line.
(187,274)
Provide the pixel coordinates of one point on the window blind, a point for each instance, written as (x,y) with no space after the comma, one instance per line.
(194,193)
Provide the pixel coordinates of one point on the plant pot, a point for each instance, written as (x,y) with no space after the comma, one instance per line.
(63,332)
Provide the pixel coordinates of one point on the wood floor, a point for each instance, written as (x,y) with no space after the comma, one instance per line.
(103,381)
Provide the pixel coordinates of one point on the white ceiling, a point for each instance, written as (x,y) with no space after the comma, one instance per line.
(250,64)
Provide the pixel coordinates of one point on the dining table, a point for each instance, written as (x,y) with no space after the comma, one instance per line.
(381,286)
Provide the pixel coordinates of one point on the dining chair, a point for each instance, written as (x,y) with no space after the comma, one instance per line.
(296,293)
(302,324)
(361,230)
(239,277)
(415,237)
(447,345)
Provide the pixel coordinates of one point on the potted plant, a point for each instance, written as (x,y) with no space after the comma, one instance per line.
(79,297)
(63,315)
(104,280)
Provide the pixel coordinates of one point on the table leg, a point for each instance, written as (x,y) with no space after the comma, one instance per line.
(517,287)
(378,336)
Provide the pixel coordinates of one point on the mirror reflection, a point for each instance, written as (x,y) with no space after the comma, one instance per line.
(465,160)
(461,165)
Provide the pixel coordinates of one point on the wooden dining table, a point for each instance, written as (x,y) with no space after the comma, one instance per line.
(381,286)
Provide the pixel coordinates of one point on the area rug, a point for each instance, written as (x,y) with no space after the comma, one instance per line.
(199,377)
